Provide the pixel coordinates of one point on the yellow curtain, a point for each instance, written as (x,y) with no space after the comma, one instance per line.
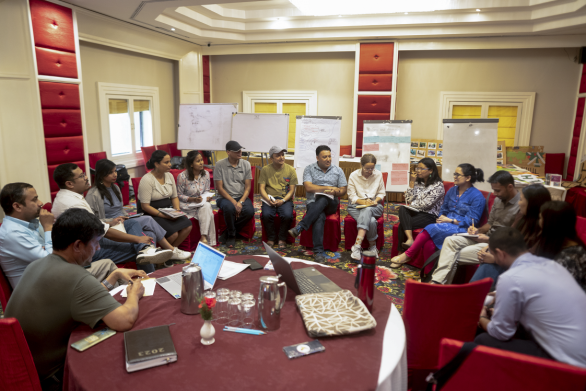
(141,105)
(466,112)
(293,109)
(507,116)
(118,106)
(265,108)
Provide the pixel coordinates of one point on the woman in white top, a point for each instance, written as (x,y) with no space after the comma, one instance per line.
(157,190)
(366,187)
(191,185)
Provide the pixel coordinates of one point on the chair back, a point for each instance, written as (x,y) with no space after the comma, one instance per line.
(48,206)
(176,172)
(173,150)
(165,147)
(17,368)
(251,193)
(5,289)
(135,184)
(581,228)
(448,186)
(494,369)
(94,157)
(432,312)
(147,152)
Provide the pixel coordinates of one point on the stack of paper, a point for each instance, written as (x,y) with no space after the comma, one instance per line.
(324,194)
(204,198)
(148,283)
(230,269)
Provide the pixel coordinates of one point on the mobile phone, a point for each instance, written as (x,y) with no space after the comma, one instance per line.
(303,349)
(254,265)
(136,215)
(93,339)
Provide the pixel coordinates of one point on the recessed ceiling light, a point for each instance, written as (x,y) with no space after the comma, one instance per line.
(406,13)
(339,16)
(172,29)
(477,10)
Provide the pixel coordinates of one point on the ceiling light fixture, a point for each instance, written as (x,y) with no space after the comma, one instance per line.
(406,13)
(172,29)
(477,10)
(365,7)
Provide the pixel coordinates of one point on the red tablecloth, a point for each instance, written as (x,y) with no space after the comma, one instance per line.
(577,197)
(234,361)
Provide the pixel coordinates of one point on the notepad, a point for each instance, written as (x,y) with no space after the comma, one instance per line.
(467,235)
(230,269)
(327,195)
(149,287)
(204,198)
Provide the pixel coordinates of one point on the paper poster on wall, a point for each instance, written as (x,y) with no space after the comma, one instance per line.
(311,132)
(390,142)
(205,126)
(430,148)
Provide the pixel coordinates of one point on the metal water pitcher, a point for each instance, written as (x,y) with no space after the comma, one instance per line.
(365,277)
(270,302)
(191,289)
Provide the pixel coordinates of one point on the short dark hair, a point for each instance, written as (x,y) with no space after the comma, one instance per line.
(156,157)
(321,148)
(368,158)
(475,174)
(64,173)
(503,178)
(509,240)
(11,193)
(75,224)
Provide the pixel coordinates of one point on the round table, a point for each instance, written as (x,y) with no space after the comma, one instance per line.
(373,359)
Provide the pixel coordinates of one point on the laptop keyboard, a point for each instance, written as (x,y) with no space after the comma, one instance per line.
(305,284)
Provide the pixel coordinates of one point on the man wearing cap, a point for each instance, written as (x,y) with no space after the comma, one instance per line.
(232,177)
(277,189)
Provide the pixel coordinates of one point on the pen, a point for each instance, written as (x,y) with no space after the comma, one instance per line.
(243,331)
(154,242)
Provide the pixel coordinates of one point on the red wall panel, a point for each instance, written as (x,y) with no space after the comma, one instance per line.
(376,58)
(52,26)
(575,138)
(374,104)
(375,82)
(64,149)
(53,184)
(62,123)
(583,80)
(56,63)
(371,117)
(59,95)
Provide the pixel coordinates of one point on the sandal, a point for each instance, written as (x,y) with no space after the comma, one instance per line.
(282,244)
(270,243)
(395,264)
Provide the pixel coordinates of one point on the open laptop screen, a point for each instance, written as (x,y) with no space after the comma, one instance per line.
(210,261)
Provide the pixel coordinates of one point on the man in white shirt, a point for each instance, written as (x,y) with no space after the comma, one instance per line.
(116,245)
(538,294)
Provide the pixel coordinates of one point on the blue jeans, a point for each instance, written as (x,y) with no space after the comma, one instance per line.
(316,217)
(488,270)
(235,225)
(285,213)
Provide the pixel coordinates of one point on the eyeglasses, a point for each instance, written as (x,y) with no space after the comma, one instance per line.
(456,175)
(83,175)
(421,169)
(368,169)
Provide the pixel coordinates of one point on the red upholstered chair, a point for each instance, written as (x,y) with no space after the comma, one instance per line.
(165,147)
(432,312)
(345,150)
(332,233)
(146,155)
(494,369)
(277,225)
(351,227)
(581,228)
(5,289)
(17,368)
(250,228)
(93,159)
(554,163)
(173,151)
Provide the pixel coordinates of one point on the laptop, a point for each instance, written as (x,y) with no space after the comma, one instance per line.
(209,259)
(301,281)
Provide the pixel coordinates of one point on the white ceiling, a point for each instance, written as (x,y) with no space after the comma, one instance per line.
(239,22)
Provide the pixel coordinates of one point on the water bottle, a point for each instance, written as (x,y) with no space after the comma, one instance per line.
(365,275)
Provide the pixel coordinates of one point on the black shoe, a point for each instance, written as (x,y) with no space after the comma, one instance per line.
(223,237)
(294,232)
(319,258)
(231,241)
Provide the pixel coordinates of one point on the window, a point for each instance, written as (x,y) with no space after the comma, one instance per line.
(129,121)
(514,111)
(293,103)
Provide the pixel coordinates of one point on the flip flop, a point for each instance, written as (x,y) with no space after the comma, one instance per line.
(395,264)
(282,245)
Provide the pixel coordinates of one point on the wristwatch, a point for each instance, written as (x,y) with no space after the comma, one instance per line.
(108,285)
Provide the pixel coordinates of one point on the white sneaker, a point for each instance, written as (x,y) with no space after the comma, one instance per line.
(180,254)
(374,250)
(151,254)
(356,252)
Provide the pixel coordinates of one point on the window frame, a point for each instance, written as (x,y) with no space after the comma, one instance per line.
(525,101)
(127,91)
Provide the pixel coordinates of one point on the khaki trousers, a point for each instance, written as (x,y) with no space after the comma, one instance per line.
(102,269)
(456,250)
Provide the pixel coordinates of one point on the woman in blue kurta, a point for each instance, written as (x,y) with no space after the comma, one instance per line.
(462,205)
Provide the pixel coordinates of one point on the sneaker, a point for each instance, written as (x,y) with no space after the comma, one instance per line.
(374,250)
(180,254)
(231,241)
(294,232)
(151,254)
(319,258)
(356,252)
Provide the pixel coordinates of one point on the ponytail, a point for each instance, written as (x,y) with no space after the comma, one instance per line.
(156,157)
(475,174)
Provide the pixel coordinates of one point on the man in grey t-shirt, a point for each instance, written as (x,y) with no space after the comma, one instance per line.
(56,294)
(232,179)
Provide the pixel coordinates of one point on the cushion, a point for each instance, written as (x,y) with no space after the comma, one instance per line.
(59,95)
(52,183)
(205,65)
(64,149)
(376,58)
(52,62)
(374,103)
(206,97)
(375,82)
(370,117)
(62,123)
(52,26)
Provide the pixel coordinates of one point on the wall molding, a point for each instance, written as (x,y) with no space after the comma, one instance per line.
(14,75)
(126,46)
(527,99)
(249,96)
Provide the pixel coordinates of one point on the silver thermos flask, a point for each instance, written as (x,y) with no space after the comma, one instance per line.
(271,297)
(191,289)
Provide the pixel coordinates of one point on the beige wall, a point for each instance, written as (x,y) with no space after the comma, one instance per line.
(111,65)
(330,74)
(550,73)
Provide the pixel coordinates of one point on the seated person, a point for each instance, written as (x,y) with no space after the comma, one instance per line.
(25,234)
(105,199)
(462,204)
(232,179)
(277,188)
(191,184)
(527,222)
(116,245)
(320,177)
(541,296)
(56,295)
(427,196)
(366,187)
(559,240)
(459,249)
(157,190)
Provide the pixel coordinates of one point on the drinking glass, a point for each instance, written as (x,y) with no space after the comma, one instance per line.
(234,312)
(221,310)
(248,312)
(223,292)
(246,297)
(235,294)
